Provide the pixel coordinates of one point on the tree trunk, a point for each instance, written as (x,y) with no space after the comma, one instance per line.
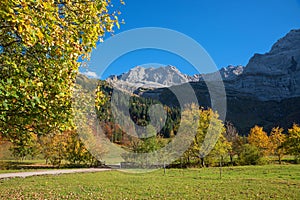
(221,168)
(181,162)
(279,159)
(202,162)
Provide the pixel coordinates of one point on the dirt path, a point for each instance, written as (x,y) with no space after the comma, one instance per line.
(51,172)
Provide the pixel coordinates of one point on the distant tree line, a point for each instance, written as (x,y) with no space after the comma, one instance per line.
(214,143)
(230,148)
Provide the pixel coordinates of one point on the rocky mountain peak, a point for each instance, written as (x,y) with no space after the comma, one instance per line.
(227,73)
(232,71)
(274,75)
(164,76)
(290,42)
(283,57)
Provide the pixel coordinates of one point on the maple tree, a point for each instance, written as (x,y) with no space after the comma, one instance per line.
(277,139)
(208,138)
(40,44)
(292,142)
(67,146)
(232,136)
(260,139)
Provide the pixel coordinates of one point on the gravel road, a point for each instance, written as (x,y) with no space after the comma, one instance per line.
(51,172)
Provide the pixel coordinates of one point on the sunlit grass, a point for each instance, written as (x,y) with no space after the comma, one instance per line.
(251,182)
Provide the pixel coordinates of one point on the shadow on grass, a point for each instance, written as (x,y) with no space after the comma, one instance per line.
(29,165)
(18,165)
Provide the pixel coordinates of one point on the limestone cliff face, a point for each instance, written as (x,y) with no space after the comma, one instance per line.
(140,77)
(266,92)
(227,73)
(166,76)
(274,75)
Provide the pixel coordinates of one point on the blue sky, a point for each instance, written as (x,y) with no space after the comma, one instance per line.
(231,31)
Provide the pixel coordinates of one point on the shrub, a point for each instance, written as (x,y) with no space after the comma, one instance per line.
(250,155)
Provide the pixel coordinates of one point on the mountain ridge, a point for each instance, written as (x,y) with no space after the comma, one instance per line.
(265,92)
(166,76)
(274,75)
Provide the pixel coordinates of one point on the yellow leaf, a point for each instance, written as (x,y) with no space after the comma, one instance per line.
(20,28)
(40,35)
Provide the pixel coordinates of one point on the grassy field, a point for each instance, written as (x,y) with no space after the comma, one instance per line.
(251,182)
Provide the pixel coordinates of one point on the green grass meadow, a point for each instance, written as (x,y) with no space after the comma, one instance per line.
(249,182)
